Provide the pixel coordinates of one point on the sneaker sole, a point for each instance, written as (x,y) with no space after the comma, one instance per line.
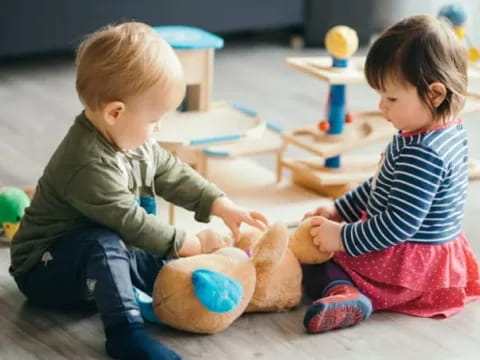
(335,317)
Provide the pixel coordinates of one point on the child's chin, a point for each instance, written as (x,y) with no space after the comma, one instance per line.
(131,147)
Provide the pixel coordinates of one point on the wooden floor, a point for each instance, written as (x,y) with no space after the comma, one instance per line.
(37,105)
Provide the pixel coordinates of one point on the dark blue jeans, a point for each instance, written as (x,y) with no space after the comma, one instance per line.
(92,267)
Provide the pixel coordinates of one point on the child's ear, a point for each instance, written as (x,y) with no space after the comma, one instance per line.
(437,93)
(112,111)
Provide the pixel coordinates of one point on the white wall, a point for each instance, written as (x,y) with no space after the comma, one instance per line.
(388,12)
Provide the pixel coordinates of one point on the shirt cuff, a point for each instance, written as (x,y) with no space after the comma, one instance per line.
(347,245)
(178,240)
(209,195)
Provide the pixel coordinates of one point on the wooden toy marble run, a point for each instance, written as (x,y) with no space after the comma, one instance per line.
(329,172)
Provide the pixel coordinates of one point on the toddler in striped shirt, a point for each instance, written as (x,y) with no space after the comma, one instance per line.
(398,238)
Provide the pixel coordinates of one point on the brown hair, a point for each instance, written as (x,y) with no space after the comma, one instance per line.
(118,62)
(420,50)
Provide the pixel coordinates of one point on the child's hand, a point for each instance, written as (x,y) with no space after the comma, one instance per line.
(327,211)
(191,246)
(326,234)
(211,241)
(234,215)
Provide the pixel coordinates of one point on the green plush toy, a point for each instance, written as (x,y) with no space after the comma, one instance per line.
(13,202)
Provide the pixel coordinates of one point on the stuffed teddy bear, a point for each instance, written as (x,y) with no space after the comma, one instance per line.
(206,293)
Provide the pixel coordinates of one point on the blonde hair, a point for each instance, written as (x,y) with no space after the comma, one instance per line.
(421,50)
(122,61)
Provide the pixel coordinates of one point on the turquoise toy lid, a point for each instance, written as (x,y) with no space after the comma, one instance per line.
(188,37)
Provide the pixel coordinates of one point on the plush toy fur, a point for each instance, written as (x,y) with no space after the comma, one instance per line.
(277,286)
(206,293)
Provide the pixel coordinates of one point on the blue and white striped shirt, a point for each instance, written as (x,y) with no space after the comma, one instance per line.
(417,196)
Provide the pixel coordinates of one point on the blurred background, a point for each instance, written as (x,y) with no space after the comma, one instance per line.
(37,27)
(37,73)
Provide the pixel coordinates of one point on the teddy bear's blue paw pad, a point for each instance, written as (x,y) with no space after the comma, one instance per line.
(217,292)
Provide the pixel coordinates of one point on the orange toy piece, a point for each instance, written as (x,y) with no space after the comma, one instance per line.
(324,126)
(348,118)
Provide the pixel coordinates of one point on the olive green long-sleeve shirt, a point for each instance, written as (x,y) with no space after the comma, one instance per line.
(88,183)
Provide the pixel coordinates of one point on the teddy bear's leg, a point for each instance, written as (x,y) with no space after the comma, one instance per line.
(217,292)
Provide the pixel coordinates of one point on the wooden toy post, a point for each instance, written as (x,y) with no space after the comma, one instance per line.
(341,43)
(336,112)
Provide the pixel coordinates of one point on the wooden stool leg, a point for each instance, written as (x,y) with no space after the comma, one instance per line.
(201,164)
(171,214)
(279,158)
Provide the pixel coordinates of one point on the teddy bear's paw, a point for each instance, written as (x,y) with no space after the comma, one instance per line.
(217,292)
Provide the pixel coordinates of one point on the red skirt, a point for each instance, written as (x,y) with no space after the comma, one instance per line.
(417,279)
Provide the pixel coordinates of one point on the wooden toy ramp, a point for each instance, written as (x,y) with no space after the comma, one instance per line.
(269,143)
(367,128)
(321,68)
(221,123)
(312,174)
(223,131)
(354,169)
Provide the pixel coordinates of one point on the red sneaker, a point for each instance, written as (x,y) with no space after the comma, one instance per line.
(342,306)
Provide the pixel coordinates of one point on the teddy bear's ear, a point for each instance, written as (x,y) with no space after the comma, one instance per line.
(249,239)
(271,246)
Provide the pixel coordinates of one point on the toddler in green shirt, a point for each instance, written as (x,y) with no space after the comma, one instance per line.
(91,233)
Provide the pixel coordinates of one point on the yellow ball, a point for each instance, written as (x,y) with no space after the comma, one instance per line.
(460,31)
(341,41)
(473,55)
